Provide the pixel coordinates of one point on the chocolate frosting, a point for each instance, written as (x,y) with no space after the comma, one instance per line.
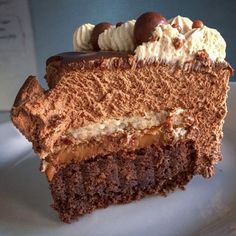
(70,57)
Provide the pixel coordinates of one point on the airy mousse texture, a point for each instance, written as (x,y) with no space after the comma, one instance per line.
(138,109)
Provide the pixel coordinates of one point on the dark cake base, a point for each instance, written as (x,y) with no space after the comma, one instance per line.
(80,188)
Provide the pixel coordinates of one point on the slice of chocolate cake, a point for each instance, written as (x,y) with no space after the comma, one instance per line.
(138,109)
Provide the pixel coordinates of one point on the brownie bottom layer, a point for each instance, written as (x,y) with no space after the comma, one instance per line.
(80,188)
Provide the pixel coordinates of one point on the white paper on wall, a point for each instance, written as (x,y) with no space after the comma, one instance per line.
(17,57)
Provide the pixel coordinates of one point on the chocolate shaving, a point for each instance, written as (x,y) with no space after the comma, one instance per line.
(178,43)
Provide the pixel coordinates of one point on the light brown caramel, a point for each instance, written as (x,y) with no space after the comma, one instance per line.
(104,146)
(85,150)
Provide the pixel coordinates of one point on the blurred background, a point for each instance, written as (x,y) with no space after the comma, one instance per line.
(33,30)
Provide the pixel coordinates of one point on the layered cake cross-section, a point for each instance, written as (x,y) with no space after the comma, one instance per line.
(136,109)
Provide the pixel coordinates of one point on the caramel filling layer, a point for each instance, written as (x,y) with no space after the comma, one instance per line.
(83,151)
(105,146)
(109,144)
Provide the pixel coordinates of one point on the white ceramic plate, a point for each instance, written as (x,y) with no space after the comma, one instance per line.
(206,207)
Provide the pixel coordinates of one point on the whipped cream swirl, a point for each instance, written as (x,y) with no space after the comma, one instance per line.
(81,38)
(118,39)
(184,22)
(192,41)
(162,46)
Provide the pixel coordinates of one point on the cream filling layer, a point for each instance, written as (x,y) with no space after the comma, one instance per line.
(121,124)
(84,151)
(127,133)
